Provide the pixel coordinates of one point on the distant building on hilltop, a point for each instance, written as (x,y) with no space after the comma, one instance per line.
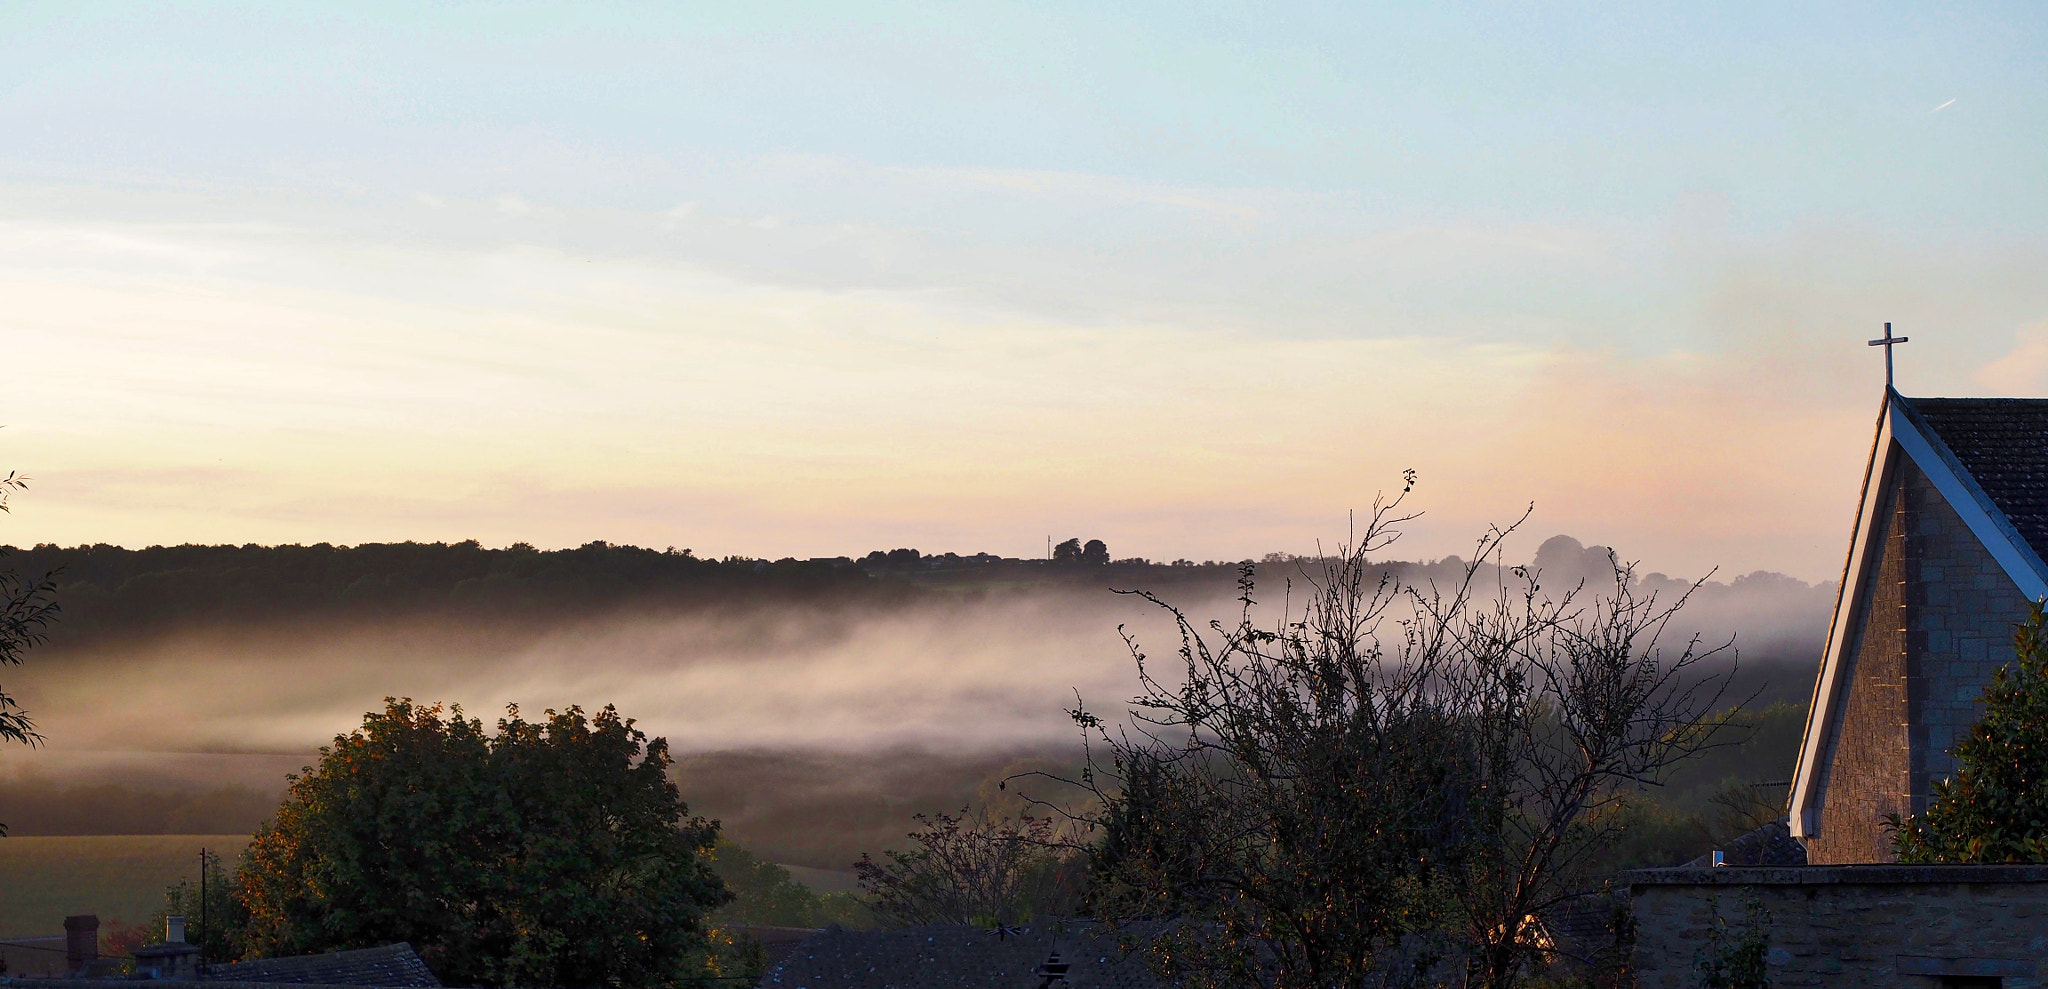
(1947,551)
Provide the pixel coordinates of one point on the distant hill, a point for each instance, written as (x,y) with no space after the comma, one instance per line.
(110,592)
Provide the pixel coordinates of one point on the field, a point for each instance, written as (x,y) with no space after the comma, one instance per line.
(119,877)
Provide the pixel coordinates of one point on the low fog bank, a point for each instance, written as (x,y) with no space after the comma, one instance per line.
(813,728)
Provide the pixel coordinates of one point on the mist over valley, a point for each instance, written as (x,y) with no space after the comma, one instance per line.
(814,706)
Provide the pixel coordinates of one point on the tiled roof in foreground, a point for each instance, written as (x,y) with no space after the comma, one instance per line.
(957,955)
(2003,443)
(1769,845)
(394,965)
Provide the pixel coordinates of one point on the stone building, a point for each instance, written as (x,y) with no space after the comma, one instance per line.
(1946,553)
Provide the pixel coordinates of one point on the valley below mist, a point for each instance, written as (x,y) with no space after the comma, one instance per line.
(812,722)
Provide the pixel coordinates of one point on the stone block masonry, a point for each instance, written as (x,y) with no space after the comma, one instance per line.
(1934,619)
(1867,926)
(1962,609)
(1867,770)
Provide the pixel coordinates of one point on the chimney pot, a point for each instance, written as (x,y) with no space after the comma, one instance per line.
(81,941)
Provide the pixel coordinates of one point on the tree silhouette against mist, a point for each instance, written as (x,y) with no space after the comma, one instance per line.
(1074,553)
(26,610)
(1386,766)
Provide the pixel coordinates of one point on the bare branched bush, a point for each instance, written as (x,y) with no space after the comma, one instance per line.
(1393,783)
(974,868)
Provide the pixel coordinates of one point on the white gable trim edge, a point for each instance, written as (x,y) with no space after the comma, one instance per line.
(1804,819)
(1901,425)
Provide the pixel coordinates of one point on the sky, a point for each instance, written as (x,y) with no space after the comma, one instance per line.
(815,279)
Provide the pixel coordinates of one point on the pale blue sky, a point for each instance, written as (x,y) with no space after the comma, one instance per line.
(1559,111)
(1674,210)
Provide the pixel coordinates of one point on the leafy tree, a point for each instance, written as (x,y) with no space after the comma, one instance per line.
(762,892)
(26,611)
(555,852)
(766,894)
(1995,807)
(1391,778)
(1096,553)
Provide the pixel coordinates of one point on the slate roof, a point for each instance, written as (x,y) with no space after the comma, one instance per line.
(2003,443)
(957,955)
(393,965)
(777,942)
(1770,845)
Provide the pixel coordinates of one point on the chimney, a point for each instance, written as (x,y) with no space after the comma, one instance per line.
(81,941)
(173,959)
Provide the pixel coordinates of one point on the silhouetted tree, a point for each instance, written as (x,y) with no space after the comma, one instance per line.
(26,611)
(1096,553)
(1995,807)
(554,853)
(1067,552)
(1391,777)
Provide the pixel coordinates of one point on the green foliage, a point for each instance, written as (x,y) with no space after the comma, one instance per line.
(1995,808)
(1763,746)
(213,918)
(765,894)
(1719,794)
(1736,960)
(762,892)
(554,853)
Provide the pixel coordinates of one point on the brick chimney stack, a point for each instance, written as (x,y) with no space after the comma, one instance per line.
(81,941)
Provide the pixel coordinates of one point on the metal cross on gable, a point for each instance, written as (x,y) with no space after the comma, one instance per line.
(1888,343)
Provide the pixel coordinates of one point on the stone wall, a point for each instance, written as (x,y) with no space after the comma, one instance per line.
(1866,926)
